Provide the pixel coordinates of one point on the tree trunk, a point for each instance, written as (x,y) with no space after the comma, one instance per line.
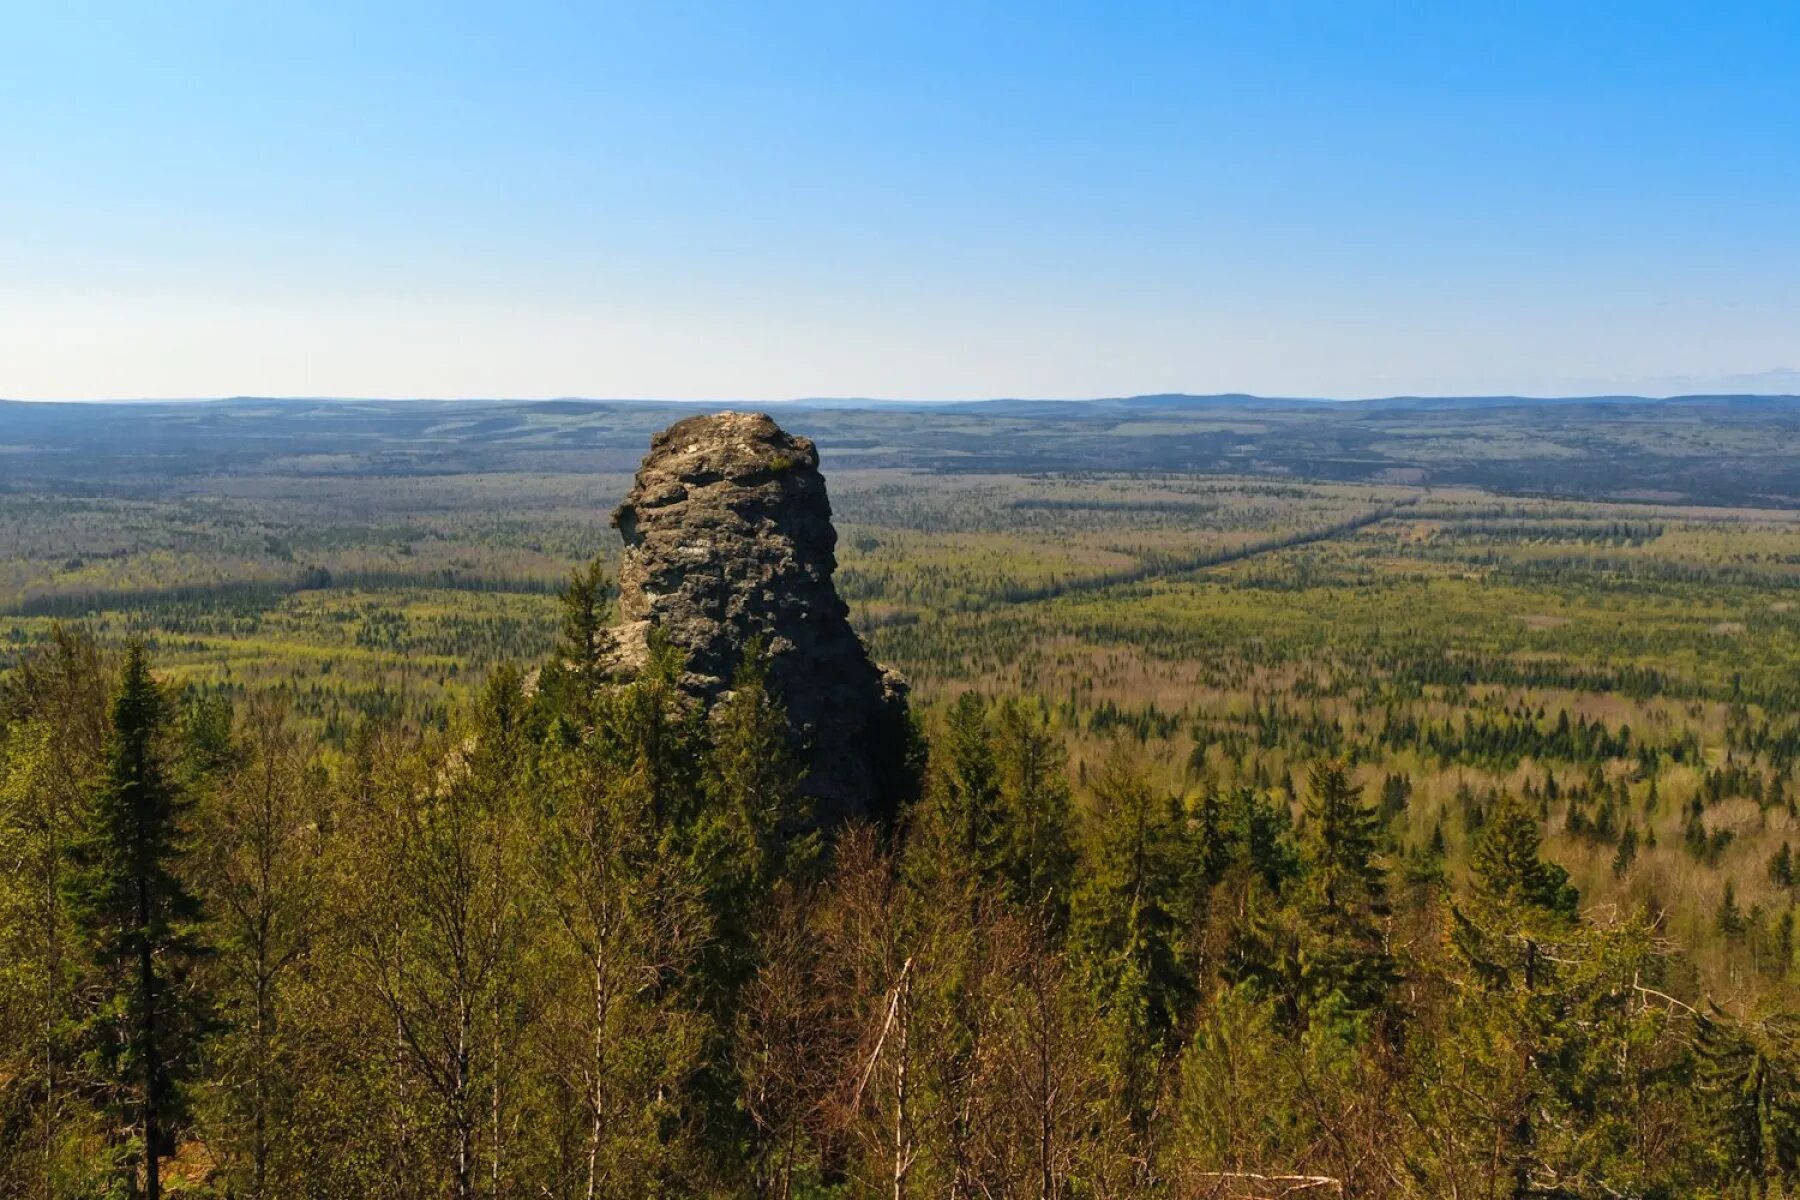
(596,1083)
(148,1048)
(52,978)
(259,1131)
(1046,1109)
(465,1125)
(494,1164)
(902,1143)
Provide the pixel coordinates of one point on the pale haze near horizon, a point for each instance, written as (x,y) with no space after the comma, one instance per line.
(764,203)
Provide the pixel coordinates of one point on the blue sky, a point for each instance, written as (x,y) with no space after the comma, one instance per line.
(769,200)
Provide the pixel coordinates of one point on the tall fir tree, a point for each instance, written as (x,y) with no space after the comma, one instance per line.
(127,892)
(743,841)
(1038,860)
(1125,928)
(584,623)
(1342,956)
(955,867)
(1750,1076)
(1339,839)
(967,779)
(1507,867)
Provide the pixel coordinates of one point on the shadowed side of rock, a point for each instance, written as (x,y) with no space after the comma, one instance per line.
(728,539)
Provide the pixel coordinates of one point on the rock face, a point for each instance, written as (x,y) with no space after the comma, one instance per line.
(728,538)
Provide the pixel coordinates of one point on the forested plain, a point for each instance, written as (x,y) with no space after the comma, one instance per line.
(1383,802)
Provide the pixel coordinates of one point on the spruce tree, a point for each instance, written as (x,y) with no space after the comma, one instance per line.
(1125,930)
(1730,918)
(1507,869)
(1627,852)
(1326,951)
(1781,867)
(745,841)
(127,893)
(1749,1078)
(955,867)
(1034,797)
(968,788)
(1338,844)
(584,621)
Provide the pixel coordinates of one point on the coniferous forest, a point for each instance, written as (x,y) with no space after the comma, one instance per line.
(1259,836)
(582,942)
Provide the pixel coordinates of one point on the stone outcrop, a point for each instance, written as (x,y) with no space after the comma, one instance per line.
(728,539)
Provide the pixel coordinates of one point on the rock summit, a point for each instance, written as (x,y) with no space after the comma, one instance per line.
(728,540)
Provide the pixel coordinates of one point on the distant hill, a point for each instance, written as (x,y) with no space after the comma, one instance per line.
(1716,449)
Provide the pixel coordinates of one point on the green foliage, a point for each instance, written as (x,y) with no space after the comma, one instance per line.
(264,881)
(1627,851)
(1252,1090)
(1751,1072)
(580,667)
(142,1022)
(473,937)
(1038,859)
(965,793)
(1126,922)
(1509,872)
(1568,1070)
(1346,887)
(604,950)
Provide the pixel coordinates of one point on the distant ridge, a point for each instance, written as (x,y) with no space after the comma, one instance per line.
(1180,401)
(1740,449)
(1171,401)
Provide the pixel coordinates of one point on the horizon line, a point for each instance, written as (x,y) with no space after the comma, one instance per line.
(878,401)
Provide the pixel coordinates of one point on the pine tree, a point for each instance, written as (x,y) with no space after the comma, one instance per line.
(127,892)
